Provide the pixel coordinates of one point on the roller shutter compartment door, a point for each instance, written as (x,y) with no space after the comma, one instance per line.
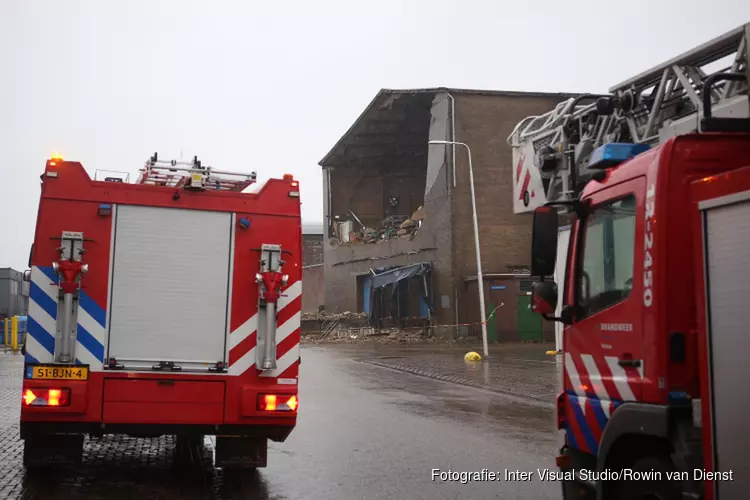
(727,233)
(170,285)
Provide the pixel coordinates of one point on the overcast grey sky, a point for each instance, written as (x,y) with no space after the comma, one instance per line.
(272,86)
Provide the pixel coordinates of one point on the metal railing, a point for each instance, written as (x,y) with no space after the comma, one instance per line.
(329,326)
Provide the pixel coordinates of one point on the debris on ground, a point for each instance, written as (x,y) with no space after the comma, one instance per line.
(362,335)
(323,316)
(383,336)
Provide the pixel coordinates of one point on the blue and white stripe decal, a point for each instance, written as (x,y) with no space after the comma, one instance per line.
(42,322)
(590,417)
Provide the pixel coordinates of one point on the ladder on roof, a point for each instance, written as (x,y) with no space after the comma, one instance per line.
(551,151)
(192,175)
(674,90)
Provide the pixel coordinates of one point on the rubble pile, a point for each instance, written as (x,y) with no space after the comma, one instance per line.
(384,336)
(390,228)
(322,316)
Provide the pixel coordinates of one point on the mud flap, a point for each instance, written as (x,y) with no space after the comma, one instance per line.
(188,450)
(53,450)
(241,452)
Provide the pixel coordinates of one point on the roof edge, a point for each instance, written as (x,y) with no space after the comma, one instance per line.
(435,90)
(328,155)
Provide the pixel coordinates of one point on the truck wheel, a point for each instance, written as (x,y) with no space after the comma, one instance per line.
(659,488)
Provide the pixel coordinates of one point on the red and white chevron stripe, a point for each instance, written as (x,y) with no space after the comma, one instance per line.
(522,183)
(243,340)
(601,378)
(596,385)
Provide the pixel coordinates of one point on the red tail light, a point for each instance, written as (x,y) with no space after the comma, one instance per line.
(560,417)
(46,397)
(277,402)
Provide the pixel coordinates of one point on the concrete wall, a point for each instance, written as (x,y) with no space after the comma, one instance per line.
(313,288)
(484,123)
(439,214)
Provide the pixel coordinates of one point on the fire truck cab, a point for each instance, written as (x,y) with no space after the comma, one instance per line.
(634,350)
(652,277)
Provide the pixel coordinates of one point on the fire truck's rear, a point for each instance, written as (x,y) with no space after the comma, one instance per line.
(169,306)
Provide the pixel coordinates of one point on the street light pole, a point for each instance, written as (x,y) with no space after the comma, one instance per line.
(476,243)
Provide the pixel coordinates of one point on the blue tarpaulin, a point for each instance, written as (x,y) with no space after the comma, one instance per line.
(380,278)
(398,274)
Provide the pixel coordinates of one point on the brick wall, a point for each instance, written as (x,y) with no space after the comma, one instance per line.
(313,288)
(312,249)
(484,123)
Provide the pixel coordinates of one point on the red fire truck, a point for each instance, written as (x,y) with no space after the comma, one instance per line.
(656,277)
(168,306)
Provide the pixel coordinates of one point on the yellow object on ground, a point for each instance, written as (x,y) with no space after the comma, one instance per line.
(472,356)
(553,353)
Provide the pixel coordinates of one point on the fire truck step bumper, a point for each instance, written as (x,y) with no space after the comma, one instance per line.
(275,431)
(52,450)
(241,452)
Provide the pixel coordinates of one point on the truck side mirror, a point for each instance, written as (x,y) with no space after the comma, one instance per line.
(544,297)
(27,275)
(544,242)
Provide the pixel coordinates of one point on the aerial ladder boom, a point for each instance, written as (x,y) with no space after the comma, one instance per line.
(551,152)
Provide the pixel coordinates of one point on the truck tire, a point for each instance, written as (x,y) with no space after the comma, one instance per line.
(660,488)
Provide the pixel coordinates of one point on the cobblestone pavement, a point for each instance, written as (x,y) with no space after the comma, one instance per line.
(522,370)
(114,467)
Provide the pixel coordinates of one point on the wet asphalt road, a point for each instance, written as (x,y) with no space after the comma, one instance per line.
(364,432)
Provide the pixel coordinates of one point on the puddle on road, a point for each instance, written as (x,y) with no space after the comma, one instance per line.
(505,415)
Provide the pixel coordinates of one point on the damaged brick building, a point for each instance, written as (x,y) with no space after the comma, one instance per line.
(398,235)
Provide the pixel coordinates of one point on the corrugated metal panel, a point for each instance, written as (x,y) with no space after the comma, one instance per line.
(170,284)
(728,269)
(13,293)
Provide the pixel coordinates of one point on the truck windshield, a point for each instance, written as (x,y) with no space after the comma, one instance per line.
(607,260)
